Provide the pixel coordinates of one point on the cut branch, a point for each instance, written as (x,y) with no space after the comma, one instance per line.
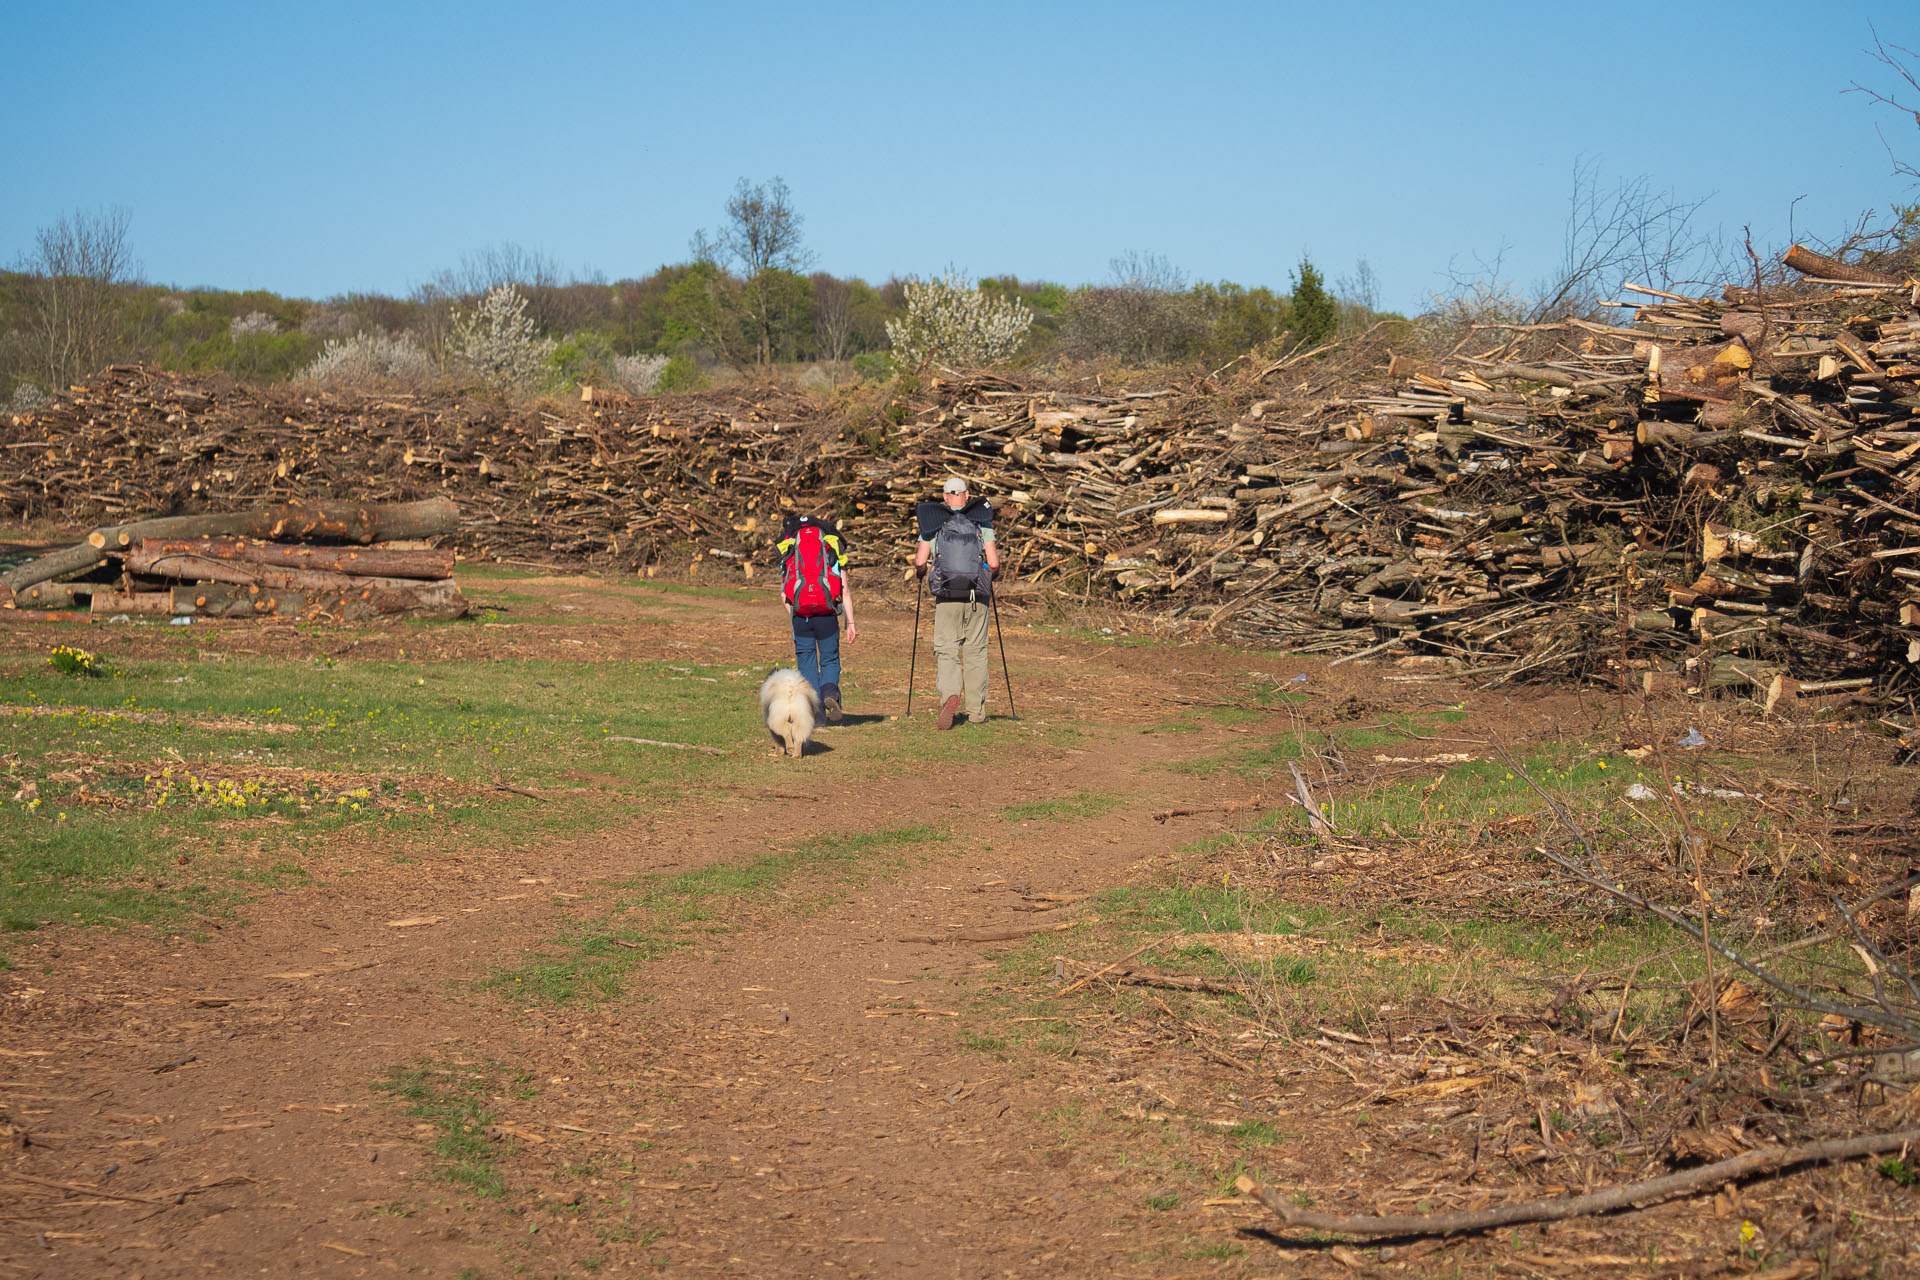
(1763,1160)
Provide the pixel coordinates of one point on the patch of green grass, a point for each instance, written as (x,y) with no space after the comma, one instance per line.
(1899,1172)
(1254,1133)
(725,883)
(585,960)
(1206,909)
(1081,804)
(980,1043)
(1272,754)
(590,959)
(172,788)
(453,1099)
(1484,790)
(914,742)
(1163,1201)
(704,591)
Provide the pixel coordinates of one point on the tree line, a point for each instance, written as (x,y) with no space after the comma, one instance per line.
(745,297)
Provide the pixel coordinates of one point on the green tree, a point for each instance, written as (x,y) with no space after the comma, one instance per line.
(761,239)
(1315,314)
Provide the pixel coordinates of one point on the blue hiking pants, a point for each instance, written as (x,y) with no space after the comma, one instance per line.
(816,650)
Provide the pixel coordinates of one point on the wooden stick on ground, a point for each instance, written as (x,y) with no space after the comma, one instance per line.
(1318,825)
(988,933)
(677,746)
(1763,1160)
(1084,980)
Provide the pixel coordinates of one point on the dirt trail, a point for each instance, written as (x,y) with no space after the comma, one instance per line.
(790,1098)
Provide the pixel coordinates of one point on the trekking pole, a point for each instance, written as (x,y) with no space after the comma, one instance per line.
(1006,678)
(919,591)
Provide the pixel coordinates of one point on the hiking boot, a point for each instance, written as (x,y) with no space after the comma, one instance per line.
(948,710)
(830,699)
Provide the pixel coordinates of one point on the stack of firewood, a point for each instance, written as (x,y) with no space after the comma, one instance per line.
(341,561)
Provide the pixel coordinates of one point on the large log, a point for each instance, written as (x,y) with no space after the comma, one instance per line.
(365,562)
(107,603)
(68,562)
(231,600)
(333,594)
(1819,265)
(296,522)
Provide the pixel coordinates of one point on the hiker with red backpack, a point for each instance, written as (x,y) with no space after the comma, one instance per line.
(957,556)
(813,582)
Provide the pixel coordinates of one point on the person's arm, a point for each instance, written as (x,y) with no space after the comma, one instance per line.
(920,554)
(846,606)
(991,549)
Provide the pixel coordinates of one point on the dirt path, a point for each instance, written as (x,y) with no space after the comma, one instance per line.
(792,1097)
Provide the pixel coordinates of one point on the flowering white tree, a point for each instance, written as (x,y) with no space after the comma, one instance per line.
(498,338)
(949,319)
(369,360)
(638,374)
(253,322)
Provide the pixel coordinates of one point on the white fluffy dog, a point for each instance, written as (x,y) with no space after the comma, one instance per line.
(791,709)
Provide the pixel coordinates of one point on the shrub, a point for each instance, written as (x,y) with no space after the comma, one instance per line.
(251,323)
(370,361)
(949,319)
(639,374)
(27,398)
(679,374)
(498,339)
(874,366)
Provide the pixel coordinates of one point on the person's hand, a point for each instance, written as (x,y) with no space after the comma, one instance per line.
(853,632)
(919,571)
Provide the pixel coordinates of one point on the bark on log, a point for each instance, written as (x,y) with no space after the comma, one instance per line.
(106,603)
(1819,265)
(334,594)
(296,522)
(365,562)
(57,595)
(230,600)
(385,597)
(68,562)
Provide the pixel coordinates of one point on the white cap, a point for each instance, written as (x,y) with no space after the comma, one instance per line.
(954,484)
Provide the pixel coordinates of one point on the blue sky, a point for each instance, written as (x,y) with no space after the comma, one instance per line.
(316,149)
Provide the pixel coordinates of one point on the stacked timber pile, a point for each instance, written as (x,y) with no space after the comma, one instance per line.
(1714,495)
(281,561)
(590,485)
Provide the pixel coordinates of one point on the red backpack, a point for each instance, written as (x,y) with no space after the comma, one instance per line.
(810,579)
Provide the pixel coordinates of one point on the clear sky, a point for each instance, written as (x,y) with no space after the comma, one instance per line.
(319,148)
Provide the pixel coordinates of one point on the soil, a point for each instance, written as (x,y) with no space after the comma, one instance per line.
(794,1097)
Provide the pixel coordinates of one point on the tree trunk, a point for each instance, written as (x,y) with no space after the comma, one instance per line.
(367,562)
(296,522)
(1819,265)
(189,568)
(68,562)
(293,521)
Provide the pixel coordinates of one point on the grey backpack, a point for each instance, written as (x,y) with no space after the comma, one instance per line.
(957,570)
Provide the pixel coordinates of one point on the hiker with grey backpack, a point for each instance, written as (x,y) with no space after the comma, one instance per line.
(957,557)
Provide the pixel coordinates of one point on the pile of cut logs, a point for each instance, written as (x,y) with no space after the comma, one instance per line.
(1719,493)
(342,561)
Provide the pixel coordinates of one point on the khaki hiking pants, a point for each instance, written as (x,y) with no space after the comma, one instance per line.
(960,644)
